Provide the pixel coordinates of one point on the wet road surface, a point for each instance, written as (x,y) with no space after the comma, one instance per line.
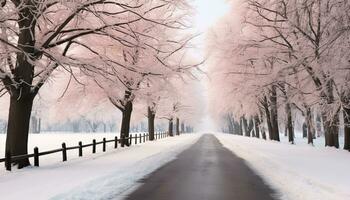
(205,171)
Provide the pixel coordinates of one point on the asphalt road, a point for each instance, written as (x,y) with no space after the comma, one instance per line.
(205,171)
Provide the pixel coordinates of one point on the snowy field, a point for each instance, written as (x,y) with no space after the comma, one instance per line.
(109,175)
(298,172)
(50,141)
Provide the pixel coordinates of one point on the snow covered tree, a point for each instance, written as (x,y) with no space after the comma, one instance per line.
(38,37)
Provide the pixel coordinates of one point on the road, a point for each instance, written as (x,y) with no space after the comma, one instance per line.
(205,171)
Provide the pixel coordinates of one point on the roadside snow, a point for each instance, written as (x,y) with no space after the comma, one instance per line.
(95,176)
(298,172)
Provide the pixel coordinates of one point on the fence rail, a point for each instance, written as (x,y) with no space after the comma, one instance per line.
(138,138)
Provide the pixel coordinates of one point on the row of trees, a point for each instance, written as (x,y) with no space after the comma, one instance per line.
(121,50)
(284,62)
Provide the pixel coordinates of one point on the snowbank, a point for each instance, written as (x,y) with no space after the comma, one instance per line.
(95,176)
(298,172)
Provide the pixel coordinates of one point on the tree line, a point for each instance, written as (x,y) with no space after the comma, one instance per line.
(124,51)
(283,62)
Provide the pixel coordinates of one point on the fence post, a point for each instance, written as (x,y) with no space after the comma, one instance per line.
(140,138)
(93,146)
(80,149)
(64,152)
(8,161)
(104,145)
(116,142)
(144,137)
(36,157)
(135,138)
(130,140)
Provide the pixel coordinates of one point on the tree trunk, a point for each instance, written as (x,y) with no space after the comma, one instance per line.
(230,123)
(257,125)
(171,127)
(331,130)
(236,128)
(318,126)
(268,117)
(263,132)
(289,125)
(177,126)
(245,126)
(39,125)
(250,127)
(240,127)
(346,114)
(182,127)
(22,94)
(125,126)
(268,121)
(310,126)
(304,130)
(17,135)
(151,117)
(274,114)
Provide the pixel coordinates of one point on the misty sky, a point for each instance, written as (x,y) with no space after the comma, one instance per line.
(208,12)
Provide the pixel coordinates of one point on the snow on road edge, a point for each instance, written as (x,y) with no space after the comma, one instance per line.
(96,176)
(119,184)
(278,165)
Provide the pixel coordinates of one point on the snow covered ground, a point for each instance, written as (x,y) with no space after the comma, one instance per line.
(298,172)
(54,140)
(116,171)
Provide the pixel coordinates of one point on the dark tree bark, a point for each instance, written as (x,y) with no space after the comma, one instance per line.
(177,126)
(17,136)
(125,126)
(263,132)
(310,126)
(345,98)
(182,127)
(245,126)
(151,116)
(250,127)
(304,130)
(22,94)
(289,125)
(331,130)
(274,114)
(257,125)
(318,126)
(330,125)
(346,113)
(171,127)
(268,117)
(240,127)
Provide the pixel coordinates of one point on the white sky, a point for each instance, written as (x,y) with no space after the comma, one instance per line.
(208,12)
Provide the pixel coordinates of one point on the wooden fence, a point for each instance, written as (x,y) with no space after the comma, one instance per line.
(138,138)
